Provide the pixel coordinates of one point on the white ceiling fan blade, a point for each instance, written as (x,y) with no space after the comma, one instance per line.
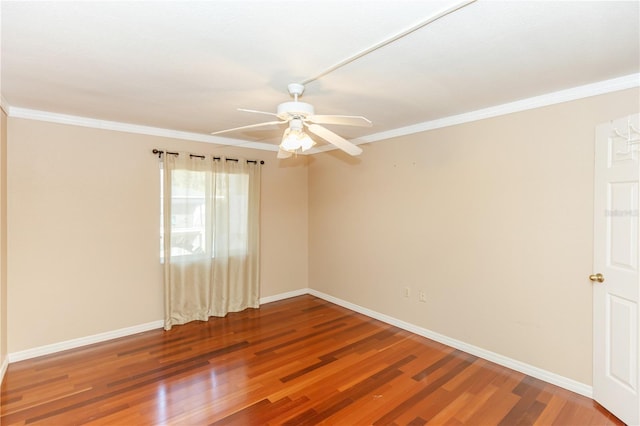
(284,154)
(251,126)
(334,139)
(343,120)
(257,112)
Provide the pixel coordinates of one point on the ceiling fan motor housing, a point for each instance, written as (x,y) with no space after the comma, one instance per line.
(294,109)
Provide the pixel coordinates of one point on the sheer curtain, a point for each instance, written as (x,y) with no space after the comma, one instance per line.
(210,236)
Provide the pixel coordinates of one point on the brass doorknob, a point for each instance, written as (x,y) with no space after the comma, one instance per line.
(596,278)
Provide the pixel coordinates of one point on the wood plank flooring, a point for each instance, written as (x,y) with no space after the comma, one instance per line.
(300,361)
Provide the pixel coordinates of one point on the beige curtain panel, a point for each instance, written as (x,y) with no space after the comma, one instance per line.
(210,236)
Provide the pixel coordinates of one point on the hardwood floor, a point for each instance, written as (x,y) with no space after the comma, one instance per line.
(299,361)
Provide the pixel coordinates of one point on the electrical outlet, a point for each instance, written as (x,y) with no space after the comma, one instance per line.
(422,296)
(407,292)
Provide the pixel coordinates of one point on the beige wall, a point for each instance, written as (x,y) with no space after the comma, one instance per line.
(83,212)
(492,219)
(3,237)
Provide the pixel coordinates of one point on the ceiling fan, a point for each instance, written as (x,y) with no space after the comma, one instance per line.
(299,115)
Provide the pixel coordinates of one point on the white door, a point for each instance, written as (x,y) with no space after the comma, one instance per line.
(616,365)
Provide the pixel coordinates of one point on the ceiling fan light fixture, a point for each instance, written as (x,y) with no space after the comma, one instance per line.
(295,139)
(306,142)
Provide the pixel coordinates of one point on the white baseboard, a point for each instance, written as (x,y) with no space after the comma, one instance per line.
(97,338)
(3,368)
(82,341)
(282,296)
(504,361)
(538,373)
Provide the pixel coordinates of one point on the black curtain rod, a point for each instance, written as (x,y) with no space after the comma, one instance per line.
(160,152)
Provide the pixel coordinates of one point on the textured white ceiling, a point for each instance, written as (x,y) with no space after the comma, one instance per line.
(188,66)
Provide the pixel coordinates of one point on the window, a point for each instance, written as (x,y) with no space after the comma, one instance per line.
(193,223)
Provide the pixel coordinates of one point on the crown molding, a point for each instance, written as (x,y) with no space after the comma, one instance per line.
(580,92)
(575,93)
(74,120)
